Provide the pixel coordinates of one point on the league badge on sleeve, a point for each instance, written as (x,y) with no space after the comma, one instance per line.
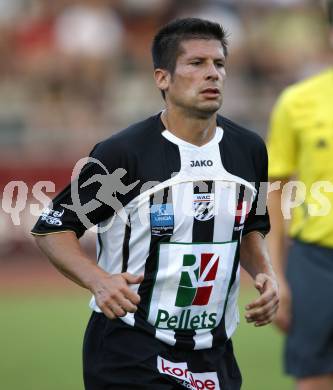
(162,219)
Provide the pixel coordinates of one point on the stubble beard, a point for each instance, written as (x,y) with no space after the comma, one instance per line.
(198,110)
(205,112)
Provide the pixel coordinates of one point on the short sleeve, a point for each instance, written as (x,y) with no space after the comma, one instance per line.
(258,218)
(98,191)
(281,141)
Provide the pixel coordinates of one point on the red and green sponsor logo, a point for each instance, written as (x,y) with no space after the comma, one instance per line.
(194,291)
(196,280)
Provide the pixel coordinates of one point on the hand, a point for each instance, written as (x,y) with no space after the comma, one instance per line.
(262,310)
(114,296)
(283,316)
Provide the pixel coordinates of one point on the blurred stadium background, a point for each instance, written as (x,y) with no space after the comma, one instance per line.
(73,72)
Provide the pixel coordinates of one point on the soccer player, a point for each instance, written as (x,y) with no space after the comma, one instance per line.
(300,144)
(166,284)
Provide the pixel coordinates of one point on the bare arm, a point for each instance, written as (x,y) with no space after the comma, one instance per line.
(277,249)
(255,260)
(276,237)
(112,293)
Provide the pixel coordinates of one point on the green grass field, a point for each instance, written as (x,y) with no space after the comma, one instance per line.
(41,337)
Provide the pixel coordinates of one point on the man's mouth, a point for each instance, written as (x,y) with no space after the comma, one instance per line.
(211,92)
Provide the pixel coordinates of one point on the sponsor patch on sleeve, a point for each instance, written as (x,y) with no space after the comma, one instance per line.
(52,217)
(162,219)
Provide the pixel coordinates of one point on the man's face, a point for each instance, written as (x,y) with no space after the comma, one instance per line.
(196,85)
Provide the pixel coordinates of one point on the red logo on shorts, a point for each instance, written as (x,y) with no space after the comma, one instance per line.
(190,380)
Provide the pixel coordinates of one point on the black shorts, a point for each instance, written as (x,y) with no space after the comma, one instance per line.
(117,356)
(309,345)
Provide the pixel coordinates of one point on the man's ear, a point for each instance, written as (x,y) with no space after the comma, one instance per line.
(162,79)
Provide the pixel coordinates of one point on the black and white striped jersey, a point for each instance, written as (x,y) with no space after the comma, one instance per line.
(177,216)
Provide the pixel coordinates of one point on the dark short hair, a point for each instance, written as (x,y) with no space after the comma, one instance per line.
(166,43)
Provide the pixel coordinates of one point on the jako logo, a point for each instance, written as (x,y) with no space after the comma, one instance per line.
(201,163)
(196,282)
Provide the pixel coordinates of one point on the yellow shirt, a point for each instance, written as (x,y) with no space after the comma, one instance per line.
(300,143)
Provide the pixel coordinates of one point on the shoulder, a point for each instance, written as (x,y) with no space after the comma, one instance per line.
(126,147)
(131,138)
(307,89)
(243,152)
(243,137)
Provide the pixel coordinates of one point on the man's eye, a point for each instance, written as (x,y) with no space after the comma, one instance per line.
(195,62)
(220,65)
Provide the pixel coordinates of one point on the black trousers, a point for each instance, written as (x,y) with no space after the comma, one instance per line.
(117,356)
(309,343)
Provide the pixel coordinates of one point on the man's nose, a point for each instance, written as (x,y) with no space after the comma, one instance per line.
(212,72)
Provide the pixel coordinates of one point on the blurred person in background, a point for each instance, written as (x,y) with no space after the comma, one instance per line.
(300,143)
(166,285)
(89,36)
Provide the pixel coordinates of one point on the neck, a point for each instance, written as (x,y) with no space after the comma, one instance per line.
(197,131)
